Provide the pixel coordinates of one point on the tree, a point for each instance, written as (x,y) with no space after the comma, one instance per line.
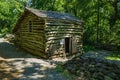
(101,17)
(9,13)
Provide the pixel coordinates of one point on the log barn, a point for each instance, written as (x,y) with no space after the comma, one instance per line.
(49,34)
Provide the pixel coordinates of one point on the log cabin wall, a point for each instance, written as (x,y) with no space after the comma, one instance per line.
(57,30)
(30,36)
(49,34)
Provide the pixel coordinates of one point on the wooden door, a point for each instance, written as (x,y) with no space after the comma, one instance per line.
(68,45)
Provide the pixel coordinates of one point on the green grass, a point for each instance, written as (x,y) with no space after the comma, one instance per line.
(64,72)
(88,48)
(2,35)
(114,56)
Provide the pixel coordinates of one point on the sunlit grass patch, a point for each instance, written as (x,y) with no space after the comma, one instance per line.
(114,56)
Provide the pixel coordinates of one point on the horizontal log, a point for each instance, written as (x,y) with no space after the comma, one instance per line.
(25,30)
(42,27)
(52,29)
(40,43)
(41,30)
(33,46)
(38,20)
(50,24)
(37,41)
(29,33)
(31,17)
(58,21)
(36,25)
(38,29)
(39,24)
(64,35)
(62,20)
(34,39)
(57,41)
(24,26)
(38,36)
(33,25)
(49,33)
(63,30)
(63,27)
(59,38)
(32,51)
(54,38)
(51,41)
(33,32)
(33,35)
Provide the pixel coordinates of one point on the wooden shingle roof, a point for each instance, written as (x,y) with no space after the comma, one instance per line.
(53,14)
(46,14)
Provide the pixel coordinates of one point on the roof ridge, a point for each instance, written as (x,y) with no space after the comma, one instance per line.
(53,14)
(28,8)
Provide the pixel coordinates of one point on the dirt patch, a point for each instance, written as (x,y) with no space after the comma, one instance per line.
(8,72)
(20,65)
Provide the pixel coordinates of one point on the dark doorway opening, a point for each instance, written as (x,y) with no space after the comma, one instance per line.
(67,45)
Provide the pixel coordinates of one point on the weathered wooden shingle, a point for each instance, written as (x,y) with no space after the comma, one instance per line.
(53,14)
(47,14)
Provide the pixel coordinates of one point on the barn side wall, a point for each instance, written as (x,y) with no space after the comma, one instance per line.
(58,30)
(31,40)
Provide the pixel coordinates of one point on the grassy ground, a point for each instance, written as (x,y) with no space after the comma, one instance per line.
(94,64)
(64,72)
(113,56)
(88,48)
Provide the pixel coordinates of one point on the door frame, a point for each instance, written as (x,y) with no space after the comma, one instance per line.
(70,45)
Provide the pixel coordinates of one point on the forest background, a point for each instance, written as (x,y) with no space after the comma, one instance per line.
(101,18)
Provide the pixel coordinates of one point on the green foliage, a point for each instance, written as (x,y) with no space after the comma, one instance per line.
(101,17)
(4,30)
(49,5)
(9,12)
(59,68)
(87,48)
(2,35)
(64,72)
(107,78)
(67,74)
